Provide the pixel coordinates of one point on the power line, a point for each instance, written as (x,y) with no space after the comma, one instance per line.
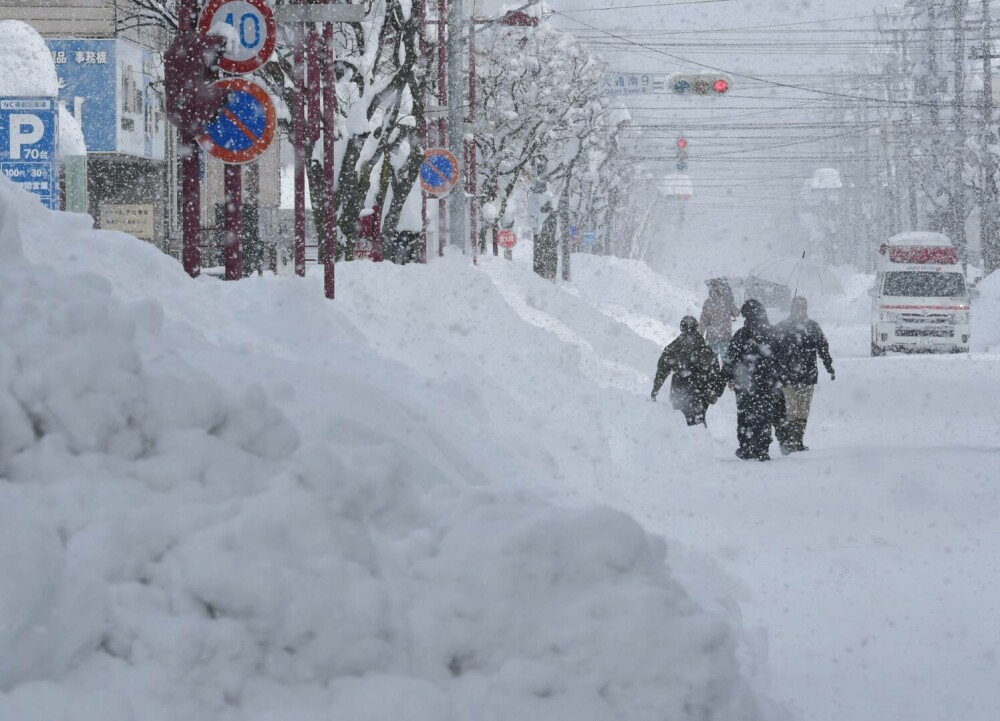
(775,83)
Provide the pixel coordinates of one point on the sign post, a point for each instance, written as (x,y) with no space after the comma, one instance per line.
(315,57)
(245,127)
(28,145)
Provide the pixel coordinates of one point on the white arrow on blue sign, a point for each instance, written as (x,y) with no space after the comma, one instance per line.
(28,145)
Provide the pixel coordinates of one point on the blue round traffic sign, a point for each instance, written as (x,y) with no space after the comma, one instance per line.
(439,171)
(245,127)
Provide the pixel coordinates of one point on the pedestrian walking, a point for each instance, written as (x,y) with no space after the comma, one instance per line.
(697,381)
(717,315)
(751,366)
(802,340)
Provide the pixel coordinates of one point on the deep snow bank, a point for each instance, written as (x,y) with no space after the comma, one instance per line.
(203,519)
(986,316)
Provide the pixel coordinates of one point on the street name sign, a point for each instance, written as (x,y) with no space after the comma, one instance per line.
(622,84)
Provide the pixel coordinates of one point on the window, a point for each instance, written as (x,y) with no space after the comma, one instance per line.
(924,285)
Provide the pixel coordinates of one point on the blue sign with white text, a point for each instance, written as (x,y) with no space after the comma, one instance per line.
(28,145)
(89,87)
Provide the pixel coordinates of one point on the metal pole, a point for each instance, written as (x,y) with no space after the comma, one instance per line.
(422,22)
(958,137)
(456,117)
(471,146)
(329,174)
(988,241)
(233,180)
(190,174)
(299,137)
(442,21)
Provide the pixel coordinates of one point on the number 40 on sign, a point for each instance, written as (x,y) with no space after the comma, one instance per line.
(254,32)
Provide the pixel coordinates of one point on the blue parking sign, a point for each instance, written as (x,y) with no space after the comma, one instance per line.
(28,145)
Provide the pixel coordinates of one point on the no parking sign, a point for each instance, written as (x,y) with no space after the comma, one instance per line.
(245,127)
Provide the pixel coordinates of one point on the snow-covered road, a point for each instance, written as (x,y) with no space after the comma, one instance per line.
(212,467)
(868,563)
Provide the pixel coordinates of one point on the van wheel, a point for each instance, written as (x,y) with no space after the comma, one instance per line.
(877,351)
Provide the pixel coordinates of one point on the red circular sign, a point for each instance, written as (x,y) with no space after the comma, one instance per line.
(506,239)
(245,127)
(253,37)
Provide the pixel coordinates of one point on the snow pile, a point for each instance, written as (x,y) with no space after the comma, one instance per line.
(986,315)
(71,141)
(921,238)
(26,67)
(205,520)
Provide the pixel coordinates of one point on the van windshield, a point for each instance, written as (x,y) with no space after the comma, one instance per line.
(924,285)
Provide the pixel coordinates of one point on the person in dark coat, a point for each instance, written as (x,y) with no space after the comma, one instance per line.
(802,340)
(752,366)
(696,382)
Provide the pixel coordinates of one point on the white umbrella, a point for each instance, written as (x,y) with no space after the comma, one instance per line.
(799,275)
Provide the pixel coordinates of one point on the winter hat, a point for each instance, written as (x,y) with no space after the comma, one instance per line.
(754,313)
(799,306)
(688,324)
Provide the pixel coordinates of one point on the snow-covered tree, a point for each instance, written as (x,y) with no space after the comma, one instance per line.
(540,120)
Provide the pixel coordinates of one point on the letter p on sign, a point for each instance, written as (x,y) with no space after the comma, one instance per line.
(25,129)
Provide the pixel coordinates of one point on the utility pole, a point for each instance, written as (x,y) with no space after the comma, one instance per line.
(910,129)
(456,119)
(989,244)
(957,230)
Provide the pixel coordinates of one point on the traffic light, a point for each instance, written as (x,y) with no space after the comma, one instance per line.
(701,84)
(192,99)
(682,154)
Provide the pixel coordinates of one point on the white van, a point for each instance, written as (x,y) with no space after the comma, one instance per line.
(920,301)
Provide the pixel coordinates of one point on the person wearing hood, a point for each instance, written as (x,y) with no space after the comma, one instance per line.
(696,381)
(751,364)
(802,340)
(717,315)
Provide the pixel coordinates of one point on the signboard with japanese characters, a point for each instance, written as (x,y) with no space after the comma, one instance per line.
(133,218)
(108,86)
(621,84)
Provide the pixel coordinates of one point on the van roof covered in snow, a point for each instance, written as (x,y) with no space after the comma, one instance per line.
(921,238)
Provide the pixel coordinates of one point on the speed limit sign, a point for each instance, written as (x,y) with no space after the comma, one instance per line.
(253,37)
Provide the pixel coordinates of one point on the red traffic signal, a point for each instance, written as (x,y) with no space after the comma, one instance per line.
(682,143)
(701,84)
(192,99)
